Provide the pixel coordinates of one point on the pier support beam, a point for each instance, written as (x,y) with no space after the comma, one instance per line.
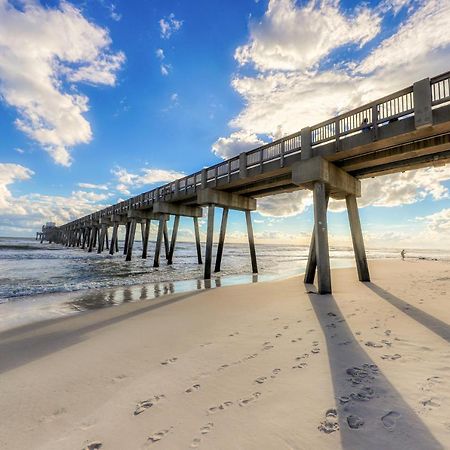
(173,240)
(311,265)
(209,242)
(197,241)
(357,238)
(114,238)
(251,241)
(321,238)
(159,238)
(166,240)
(127,237)
(146,233)
(223,229)
(132,232)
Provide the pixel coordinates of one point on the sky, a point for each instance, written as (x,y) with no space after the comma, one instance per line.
(101,100)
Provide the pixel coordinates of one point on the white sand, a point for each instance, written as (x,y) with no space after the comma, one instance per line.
(248,367)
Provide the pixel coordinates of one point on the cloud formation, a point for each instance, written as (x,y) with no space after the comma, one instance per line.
(294,82)
(27,213)
(169,25)
(44,53)
(127,181)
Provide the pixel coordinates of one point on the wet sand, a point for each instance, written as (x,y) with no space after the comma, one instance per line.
(260,366)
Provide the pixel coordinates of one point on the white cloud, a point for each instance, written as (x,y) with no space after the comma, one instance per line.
(165,69)
(127,180)
(227,147)
(438,222)
(291,37)
(294,85)
(27,213)
(102,187)
(10,173)
(160,54)
(41,49)
(169,25)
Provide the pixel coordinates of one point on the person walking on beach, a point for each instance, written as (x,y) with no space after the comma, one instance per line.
(403,253)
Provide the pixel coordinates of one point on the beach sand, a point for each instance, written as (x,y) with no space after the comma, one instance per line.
(259,366)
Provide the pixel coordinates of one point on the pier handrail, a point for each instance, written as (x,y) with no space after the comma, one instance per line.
(373,115)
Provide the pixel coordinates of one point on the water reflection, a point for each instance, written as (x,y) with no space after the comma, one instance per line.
(95,299)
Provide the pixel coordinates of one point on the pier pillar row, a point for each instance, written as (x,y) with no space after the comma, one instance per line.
(226,200)
(327,180)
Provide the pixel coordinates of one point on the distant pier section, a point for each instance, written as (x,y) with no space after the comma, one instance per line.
(405,130)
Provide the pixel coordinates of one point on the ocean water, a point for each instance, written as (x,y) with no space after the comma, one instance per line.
(36,279)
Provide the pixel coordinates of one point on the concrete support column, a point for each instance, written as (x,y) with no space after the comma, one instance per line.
(251,241)
(146,233)
(166,240)
(173,240)
(96,233)
(132,232)
(91,240)
(223,230)
(159,239)
(112,246)
(101,240)
(107,238)
(311,265)
(357,238)
(197,241)
(209,242)
(321,238)
(127,237)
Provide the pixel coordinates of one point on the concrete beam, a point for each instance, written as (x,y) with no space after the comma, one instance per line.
(339,183)
(225,200)
(176,209)
(137,214)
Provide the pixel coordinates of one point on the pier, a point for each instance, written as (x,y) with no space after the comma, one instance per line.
(406,130)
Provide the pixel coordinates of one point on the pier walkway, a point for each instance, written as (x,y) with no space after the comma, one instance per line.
(406,130)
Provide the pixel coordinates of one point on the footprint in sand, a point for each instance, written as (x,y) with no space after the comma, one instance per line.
(390,419)
(278,335)
(169,361)
(260,380)
(373,344)
(93,445)
(254,355)
(267,346)
(431,403)
(330,424)
(145,404)
(315,351)
(196,443)
(246,401)
(355,422)
(296,340)
(193,388)
(207,428)
(300,366)
(285,327)
(220,407)
(275,372)
(391,357)
(158,436)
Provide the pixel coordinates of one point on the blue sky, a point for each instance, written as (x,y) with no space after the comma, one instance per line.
(120,96)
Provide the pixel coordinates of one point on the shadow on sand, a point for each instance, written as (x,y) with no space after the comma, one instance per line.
(31,342)
(372,414)
(437,326)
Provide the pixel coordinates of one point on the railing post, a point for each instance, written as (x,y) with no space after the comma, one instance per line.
(423,115)
(282,154)
(337,134)
(204,178)
(243,165)
(305,134)
(375,121)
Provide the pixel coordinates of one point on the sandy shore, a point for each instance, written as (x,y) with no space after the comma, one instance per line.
(261,366)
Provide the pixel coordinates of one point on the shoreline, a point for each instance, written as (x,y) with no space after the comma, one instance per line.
(367,367)
(24,310)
